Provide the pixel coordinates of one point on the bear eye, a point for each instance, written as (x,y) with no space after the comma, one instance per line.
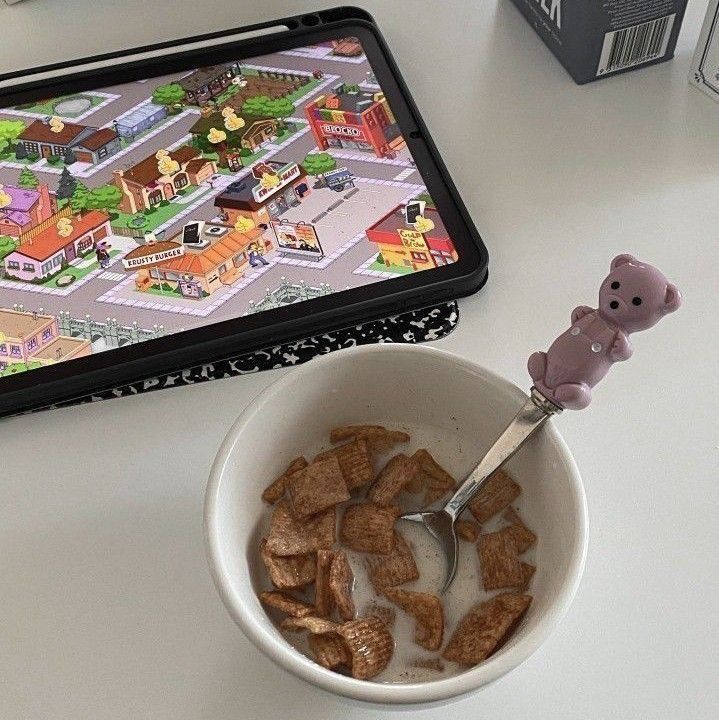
(615,285)
(636,300)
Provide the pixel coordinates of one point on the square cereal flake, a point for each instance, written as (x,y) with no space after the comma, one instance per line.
(394,476)
(523,536)
(396,568)
(499,561)
(317,487)
(290,536)
(355,462)
(293,571)
(276,489)
(485,628)
(495,495)
(369,528)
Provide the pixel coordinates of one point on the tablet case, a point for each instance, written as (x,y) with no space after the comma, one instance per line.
(410,327)
(62,386)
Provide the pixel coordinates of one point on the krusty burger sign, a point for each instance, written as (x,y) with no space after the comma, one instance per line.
(152,254)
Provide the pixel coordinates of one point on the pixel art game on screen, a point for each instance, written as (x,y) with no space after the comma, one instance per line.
(161,205)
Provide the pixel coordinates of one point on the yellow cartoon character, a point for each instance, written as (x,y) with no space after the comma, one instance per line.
(423,224)
(268,181)
(244,224)
(216,136)
(5,199)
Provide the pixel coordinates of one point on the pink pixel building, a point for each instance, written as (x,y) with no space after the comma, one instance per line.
(27,209)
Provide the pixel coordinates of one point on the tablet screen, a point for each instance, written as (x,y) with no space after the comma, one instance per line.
(143,209)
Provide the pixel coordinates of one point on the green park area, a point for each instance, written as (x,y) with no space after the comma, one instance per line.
(289,131)
(157,215)
(381,267)
(47,107)
(302,90)
(15,368)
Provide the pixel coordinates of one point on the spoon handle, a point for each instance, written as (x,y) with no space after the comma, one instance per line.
(532,415)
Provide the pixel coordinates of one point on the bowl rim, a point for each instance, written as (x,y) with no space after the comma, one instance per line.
(276,648)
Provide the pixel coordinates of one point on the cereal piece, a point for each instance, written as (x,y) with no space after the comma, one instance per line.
(370,644)
(341,582)
(288,572)
(330,650)
(393,477)
(499,561)
(484,628)
(427,612)
(467,530)
(316,487)
(378,438)
(286,603)
(398,568)
(495,495)
(367,527)
(383,442)
(275,490)
(314,624)
(385,613)
(355,462)
(428,664)
(436,479)
(324,600)
(523,536)
(290,536)
(527,575)
(417,484)
(350,432)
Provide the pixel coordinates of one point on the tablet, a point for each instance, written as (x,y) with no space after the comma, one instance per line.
(186,202)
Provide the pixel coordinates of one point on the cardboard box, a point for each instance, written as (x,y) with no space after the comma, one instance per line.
(705,66)
(594,39)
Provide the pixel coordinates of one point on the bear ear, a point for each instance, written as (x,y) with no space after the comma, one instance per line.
(672,299)
(621,260)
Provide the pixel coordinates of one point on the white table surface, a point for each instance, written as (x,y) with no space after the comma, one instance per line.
(107,609)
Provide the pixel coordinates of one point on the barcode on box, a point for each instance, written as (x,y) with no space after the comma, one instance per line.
(635,45)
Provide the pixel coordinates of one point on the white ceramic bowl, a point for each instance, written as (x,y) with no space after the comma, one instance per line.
(455,406)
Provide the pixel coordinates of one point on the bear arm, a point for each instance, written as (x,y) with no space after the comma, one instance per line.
(581,311)
(621,348)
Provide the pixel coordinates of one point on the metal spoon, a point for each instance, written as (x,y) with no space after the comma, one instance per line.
(633,297)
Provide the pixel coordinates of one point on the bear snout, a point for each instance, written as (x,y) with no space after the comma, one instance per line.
(614,304)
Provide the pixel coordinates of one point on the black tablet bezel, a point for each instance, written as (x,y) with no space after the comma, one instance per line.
(223,339)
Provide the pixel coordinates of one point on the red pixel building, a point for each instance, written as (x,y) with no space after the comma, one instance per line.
(354,119)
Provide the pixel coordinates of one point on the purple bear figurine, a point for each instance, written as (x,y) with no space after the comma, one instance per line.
(633,297)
